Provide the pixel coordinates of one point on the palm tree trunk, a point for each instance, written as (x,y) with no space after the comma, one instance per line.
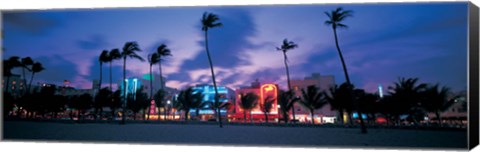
(111,89)
(213,79)
(285,117)
(186,114)
(364,130)
(340,114)
(151,91)
(311,113)
(31,80)
(134,116)
(124,90)
(161,77)
(288,82)
(437,113)
(266,117)
(101,75)
(245,116)
(165,113)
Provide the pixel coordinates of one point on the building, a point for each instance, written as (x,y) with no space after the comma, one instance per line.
(16,85)
(322,115)
(262,91)
(208,91)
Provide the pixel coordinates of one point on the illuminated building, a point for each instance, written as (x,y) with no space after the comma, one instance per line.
(263,91)
(380,91)
(322,115)
(16,85)
(208,91)
(132,85)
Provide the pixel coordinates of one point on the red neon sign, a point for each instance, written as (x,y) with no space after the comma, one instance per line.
(269,90)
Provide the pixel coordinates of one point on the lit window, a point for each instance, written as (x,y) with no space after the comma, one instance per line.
(14,82)
(296,88)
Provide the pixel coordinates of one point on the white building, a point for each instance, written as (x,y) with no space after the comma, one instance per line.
(323,82)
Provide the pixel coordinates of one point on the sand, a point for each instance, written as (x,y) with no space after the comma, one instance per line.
(207,134)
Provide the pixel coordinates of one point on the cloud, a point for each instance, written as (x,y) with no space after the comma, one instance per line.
(32,23)
(94,42)
(225,43)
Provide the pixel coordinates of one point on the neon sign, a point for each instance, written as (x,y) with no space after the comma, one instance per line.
(267,90)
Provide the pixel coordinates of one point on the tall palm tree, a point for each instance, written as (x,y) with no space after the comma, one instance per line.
(266,106)
(9,65)
(113,55)
(286,99)
(152,59)
(312,99)
(162,51)
(130,50)
(288,45)
(406,95)
(247,103)
(36,67)
(437,100)
(25,62)
(335,19)
(103,58)
(210,20)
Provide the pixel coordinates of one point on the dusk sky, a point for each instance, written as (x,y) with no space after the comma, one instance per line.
(383,42)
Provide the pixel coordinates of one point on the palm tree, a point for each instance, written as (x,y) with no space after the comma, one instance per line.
(25,62)
(267,106)
(114,54)
(437,100)
(114,102)
(162,51)
(210,20)
(8,66)
(129,50)
(101,100)
(36,67)
(189,99)
(339,98)
(287,45)
(368,103)
(286,99)
(153,59)
(247,103)
(158,98)
(406,95)
(335,20)
(312,99)
(103,58)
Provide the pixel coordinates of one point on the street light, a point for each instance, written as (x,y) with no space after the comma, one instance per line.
(168,109)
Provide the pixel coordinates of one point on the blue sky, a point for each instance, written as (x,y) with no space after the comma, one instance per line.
(383,42)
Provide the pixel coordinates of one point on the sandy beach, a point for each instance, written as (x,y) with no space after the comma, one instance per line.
(209,134)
